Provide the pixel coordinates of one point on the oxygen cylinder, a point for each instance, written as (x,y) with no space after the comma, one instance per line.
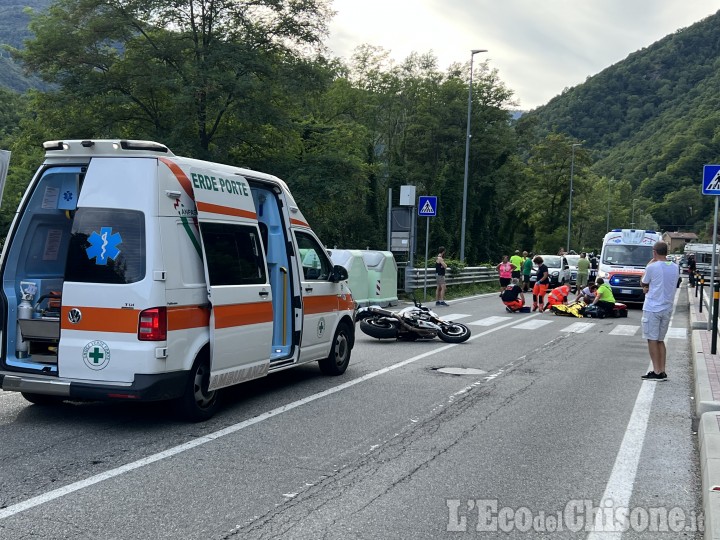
(24,311)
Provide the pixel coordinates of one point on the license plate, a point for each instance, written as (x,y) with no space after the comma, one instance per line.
(625,291)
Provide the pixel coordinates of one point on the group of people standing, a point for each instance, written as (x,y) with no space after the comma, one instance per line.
(516,267)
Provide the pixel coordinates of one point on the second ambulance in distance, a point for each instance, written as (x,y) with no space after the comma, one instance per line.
(624,256)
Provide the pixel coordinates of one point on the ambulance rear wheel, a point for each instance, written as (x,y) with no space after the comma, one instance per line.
(337,361)
(198,403)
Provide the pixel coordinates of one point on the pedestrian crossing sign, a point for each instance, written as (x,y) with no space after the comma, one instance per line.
(427,206)
(711,180)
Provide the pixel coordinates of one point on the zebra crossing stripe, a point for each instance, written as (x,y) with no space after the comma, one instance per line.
(578,327)
(676,333)
(489,321)
(624,330)
(532,325)
(452,316)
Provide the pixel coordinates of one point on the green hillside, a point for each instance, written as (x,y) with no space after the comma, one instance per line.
(14,31)
(652,120)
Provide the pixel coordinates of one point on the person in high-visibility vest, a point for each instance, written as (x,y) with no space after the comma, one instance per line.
(558,295)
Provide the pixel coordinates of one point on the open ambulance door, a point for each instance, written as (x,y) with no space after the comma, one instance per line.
(241,316)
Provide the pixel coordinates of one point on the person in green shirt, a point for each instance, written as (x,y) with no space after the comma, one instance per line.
(583,270)
(604,299)
(527,265)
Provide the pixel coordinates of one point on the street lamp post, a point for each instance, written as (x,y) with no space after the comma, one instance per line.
(607,225)
(473,52)
(632,219)
(572,171)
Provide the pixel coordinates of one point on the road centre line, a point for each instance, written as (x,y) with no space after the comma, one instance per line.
(170,452)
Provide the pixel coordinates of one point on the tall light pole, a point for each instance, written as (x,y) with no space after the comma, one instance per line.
(572,171)
(467,157)
(607,225)
(632,219)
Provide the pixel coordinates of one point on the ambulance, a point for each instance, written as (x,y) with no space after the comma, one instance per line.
(624,256)
(132,274)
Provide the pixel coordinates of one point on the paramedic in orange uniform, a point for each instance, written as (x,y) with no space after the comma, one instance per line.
(541,283)
(513,297)
(557,296)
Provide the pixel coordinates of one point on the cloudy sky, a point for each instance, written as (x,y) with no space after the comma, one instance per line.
(538,47)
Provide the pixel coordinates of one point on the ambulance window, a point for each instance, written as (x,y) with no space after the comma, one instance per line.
(234,254)
(315,263)
(106,246)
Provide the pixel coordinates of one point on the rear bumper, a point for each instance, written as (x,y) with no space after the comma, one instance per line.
(144,388)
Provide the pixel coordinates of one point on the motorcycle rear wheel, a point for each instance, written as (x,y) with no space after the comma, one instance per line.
(378,328)
(454,333)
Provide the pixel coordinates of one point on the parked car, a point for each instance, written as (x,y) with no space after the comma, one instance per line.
(558,268)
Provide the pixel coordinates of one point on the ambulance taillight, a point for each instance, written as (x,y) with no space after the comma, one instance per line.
(153,324)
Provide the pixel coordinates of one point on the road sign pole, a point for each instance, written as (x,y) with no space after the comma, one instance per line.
(427,242)
(712,266)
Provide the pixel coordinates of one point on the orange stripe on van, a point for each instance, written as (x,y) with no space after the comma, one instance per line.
(299,223)
(320,304)
(225,210)
(243,314)
(184,317)
(181,176)
(95,319)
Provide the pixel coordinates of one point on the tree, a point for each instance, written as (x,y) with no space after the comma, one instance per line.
(196,74)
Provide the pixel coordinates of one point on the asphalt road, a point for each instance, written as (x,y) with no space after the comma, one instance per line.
(556,424)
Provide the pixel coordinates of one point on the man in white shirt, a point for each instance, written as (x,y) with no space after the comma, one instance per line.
(659,284)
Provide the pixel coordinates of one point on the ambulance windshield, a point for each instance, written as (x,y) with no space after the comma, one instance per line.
(627,255)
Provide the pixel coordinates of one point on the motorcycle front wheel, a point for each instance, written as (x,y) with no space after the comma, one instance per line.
(378,328)
(454,333)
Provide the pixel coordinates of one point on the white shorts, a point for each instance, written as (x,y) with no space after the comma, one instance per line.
(655,324)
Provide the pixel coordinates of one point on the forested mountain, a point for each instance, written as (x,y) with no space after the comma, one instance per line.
(652,120)
(14,31)
(248,83)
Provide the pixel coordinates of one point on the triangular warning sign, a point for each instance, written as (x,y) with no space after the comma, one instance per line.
(427,208)
(714,184)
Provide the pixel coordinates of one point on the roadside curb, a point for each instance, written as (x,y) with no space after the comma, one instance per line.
(705,364)
(709,441)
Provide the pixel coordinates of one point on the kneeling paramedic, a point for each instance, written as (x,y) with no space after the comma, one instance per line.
(513,297)
(557,296)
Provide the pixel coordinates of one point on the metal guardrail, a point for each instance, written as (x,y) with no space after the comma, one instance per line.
(415,278)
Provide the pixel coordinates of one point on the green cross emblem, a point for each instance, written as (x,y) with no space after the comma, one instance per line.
(96,355)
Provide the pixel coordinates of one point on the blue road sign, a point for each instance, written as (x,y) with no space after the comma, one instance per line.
(711,180)
(427,206)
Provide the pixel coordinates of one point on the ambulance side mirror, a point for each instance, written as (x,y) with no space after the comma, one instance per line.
(339,273)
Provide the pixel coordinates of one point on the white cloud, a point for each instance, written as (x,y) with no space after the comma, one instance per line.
(538,48)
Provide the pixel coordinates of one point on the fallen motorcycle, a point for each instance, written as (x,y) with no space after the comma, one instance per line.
(409,324)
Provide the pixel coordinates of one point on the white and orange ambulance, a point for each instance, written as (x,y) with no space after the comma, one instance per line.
(130,273)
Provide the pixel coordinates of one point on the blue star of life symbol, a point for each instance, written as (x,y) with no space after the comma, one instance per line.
(103,246)
(68,195)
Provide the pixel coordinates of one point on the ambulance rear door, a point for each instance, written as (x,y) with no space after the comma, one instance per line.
(237,279)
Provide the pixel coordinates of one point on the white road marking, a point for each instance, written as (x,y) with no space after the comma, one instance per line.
(452,316)
(112,473)
(578,327)
(676,333)
(489,321)
(532,325)
(624,330)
